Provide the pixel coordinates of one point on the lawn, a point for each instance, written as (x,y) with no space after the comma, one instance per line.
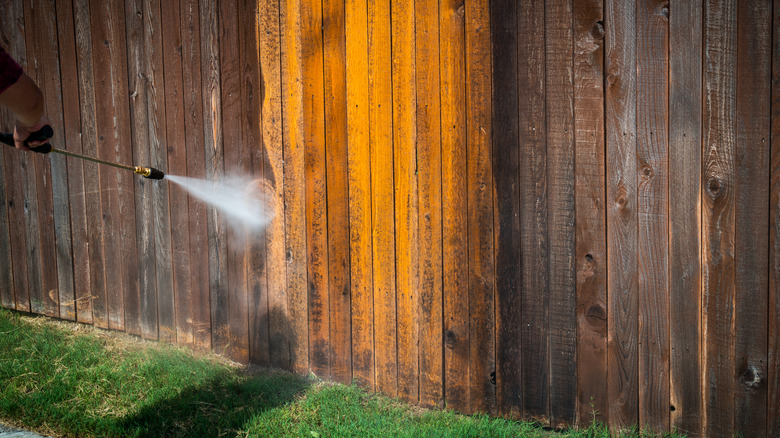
(67,379)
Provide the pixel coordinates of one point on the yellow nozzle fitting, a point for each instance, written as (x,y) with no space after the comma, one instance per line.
(143,171)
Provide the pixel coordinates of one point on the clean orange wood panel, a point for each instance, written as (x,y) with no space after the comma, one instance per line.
(382,190)
(452,54)
(359,165)
(405,178)
(429,199)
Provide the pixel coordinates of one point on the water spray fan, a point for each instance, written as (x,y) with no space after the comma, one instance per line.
(47,132)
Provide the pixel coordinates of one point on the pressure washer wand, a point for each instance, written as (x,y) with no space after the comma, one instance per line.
(47,132)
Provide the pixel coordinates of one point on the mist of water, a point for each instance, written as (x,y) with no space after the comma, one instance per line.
(242,200)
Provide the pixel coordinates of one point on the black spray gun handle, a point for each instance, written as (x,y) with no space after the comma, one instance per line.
(39,135)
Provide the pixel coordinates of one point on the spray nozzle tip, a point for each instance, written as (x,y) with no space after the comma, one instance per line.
(149,172)
(155,174)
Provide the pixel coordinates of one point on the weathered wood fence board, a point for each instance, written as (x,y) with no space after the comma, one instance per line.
(552,210)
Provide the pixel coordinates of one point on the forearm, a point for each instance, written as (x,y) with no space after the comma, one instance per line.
(25,101)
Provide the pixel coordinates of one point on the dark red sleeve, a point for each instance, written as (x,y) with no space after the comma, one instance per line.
(9,70)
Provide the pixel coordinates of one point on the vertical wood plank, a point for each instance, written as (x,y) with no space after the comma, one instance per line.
(360,249)
(452,57)
(71,140)
(40,237)
(140,58)
(620,112)
(7,298)
(718,226)
(160,200)
(561,209)
(112,122)
(252,96)
(685,106)
(754,35)
(295,184)
(653,212)
(6,265)
(480,207)
(533,212)
(591,230)
(12,19)
(316,214)
(336,161)
(506,221)
(176,138)
(94,310)
(269,40)
(773,359)
(383,201)
(405,172)
(214,164)
(429,202)
(58,263)
(237,155)
(194,145)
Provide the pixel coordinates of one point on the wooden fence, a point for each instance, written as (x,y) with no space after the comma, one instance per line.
(552,210)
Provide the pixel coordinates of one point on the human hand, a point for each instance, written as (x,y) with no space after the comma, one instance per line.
(22,132)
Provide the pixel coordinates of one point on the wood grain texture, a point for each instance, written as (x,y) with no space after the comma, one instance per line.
(773,359)
(622,207)
(112,122)
(140,58)
(685,116)
(452,58)
(480,208)
(316,209)
(194,146)
(751,162)
(337,176)
(55,102)
(252,163)
(382,189)
(176,137)
(359,165)
(160,200)
(718,227)
(295,184)
(591,221)
(40,231)
(533,213)
(652,81)
(94,310)
(429,203)
(406,201)
(13,206)
(561,211)
(269,37)
(211,81)
(7,298)
(506,198)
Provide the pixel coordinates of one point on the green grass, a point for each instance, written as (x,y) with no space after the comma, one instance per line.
(66,379)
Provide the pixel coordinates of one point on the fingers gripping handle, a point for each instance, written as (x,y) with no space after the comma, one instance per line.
(41,134)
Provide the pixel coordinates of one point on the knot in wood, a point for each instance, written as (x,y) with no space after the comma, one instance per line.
(751,377)
(597,31)
(647,171)
(449,339)
(713,186)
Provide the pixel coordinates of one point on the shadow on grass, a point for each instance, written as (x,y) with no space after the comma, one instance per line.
(220,407)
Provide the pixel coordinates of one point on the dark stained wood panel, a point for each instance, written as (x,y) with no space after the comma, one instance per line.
(685,107)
